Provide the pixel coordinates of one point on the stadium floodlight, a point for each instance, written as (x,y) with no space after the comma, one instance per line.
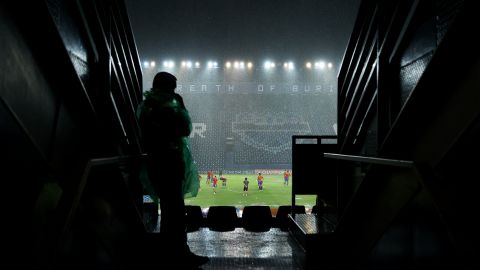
(269,64)
(212,64)
(168,64)
(320,65)
(238,64)
(290,65)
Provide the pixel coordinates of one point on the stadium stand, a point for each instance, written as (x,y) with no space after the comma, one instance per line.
(241,132)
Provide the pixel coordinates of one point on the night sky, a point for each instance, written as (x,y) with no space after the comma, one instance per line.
(246,29)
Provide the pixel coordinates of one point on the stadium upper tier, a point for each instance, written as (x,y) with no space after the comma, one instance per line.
(248,131)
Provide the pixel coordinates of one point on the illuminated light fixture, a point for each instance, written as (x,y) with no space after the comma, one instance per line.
(269,65)
(320,65)
(212,64)
(290,65)
(168,64)
(146,64)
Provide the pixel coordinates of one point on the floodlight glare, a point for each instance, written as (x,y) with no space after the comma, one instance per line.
(320,65)
(228,65)
(269,64)
(152,64)
(146,64)
(167,64)
(308,65)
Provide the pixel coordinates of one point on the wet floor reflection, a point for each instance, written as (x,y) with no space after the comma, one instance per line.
(240,249)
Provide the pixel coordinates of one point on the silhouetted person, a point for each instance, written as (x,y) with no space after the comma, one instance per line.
(165,126)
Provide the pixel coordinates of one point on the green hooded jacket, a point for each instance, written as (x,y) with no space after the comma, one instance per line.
(165,123)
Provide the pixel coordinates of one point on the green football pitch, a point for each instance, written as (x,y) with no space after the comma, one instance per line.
(274,192)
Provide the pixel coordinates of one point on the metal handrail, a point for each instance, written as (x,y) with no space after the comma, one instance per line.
(372,160)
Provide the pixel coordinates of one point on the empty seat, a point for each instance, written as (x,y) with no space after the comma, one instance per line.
(194,217)
(222,218)
(281,219)
(257,218)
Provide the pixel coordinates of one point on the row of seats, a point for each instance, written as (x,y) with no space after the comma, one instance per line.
(255,218)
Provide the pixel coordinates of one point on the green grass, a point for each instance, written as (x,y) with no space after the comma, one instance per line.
(274,193)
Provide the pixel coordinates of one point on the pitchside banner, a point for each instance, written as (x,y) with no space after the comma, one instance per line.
(254,88)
